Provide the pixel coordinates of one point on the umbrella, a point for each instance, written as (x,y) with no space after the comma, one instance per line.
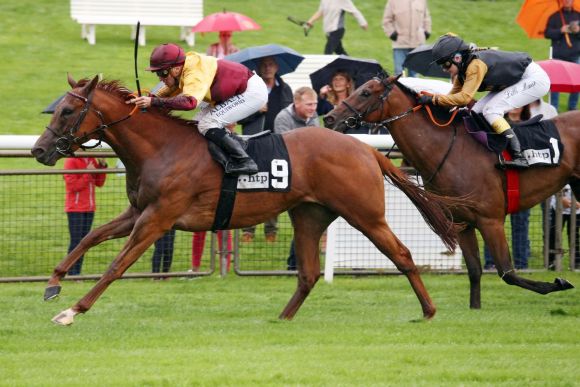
(564,76)
(361,70)
(286,58)
(421,61)
(225,21)
(534,14)
(50,108)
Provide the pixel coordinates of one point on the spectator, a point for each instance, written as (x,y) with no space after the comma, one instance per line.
(163,253)
(341,86)
(502,73)
(545,109)
(300,114)
(229,92)
(408,24)
(279,96)
(562,28)
(520,220)
(566,218)
(332,13)
(223,47)
(198,243)
(80,203)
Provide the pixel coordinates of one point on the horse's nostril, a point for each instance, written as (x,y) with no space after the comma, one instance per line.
(328,121)
(37,152)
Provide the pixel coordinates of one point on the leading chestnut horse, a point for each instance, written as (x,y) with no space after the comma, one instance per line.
(172,182)
(452,163)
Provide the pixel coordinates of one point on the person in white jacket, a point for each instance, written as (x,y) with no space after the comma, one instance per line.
(332,13)
(408,24)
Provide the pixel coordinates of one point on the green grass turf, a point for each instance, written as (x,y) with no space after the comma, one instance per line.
(359,332)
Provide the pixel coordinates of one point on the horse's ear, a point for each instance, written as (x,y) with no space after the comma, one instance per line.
(71,81)
(91,85)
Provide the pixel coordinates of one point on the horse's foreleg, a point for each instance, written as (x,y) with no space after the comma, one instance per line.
(117,228)
(309,221)
(383,238)
(470,249)
(494,236)
(145,232)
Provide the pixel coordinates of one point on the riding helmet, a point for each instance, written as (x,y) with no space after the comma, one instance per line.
(166,56)
(446,46)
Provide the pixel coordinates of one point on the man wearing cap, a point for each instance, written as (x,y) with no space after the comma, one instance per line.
(225,92)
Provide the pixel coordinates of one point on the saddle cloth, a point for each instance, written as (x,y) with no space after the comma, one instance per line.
(539,139)
(270,153)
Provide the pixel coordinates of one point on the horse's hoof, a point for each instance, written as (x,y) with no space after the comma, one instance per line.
(65,317)
(51,292)
(563,284)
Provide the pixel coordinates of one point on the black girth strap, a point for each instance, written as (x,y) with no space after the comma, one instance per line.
(225,206)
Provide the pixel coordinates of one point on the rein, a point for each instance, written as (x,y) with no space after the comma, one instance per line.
(66,141)
(357,120)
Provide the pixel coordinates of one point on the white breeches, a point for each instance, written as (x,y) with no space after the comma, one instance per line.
(234,109)
(533,86)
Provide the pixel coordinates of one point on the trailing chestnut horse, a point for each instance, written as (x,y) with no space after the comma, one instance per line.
(172,182)
(452,163)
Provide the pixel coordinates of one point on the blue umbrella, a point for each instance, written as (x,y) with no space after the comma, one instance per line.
(287,58)
(361,70)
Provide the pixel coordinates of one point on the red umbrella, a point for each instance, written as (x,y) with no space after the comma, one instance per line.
(564,76)
(225,21)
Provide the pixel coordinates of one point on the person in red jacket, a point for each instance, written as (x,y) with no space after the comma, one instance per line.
(80,200)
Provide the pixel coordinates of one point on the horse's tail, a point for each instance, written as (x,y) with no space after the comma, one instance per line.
(433,207)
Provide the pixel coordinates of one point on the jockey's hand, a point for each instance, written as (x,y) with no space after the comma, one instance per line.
(142,102)
(425,99)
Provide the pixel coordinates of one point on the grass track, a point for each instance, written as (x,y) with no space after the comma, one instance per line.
(353,332)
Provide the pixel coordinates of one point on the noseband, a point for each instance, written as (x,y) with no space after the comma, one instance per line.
(65,142)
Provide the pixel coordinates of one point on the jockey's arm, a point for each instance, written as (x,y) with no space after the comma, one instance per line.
(462,94)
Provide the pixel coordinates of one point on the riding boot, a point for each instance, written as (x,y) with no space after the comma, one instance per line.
(241,163)
(518,161)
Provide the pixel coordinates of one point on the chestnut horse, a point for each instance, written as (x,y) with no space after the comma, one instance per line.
(172,182)
(452,163)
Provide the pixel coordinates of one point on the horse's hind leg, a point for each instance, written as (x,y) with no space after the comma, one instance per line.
(386,241)
(494,235)
(470,249)
(117,228)
(309,221)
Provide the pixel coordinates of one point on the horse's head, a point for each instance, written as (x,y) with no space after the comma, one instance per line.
(367,103)
(70,124)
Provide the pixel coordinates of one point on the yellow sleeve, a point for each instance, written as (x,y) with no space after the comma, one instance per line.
(165,91)
(462,93)
(197,77)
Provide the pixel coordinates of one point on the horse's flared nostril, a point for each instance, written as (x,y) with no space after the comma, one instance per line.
(37,152)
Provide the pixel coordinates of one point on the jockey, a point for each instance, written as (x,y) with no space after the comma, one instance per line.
(512,79)
(226,92)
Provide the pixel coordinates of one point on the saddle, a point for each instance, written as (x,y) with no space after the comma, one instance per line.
(539,139)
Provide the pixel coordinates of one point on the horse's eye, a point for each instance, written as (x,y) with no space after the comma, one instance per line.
(366,93)
(66,112)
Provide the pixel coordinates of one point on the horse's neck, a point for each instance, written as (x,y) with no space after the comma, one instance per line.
(144,135)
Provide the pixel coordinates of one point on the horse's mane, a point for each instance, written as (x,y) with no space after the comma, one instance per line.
(440,112)
(117,89)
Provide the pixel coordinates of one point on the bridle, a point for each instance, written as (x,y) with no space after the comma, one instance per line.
(65,142)
(356,120)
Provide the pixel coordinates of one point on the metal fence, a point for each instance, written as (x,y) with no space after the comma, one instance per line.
(35,237)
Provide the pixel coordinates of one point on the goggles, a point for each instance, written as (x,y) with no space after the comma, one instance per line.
(162,73)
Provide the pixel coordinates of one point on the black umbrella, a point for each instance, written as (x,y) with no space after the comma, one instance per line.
(50,108)
(421,61)
(286,58)
(361,70)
